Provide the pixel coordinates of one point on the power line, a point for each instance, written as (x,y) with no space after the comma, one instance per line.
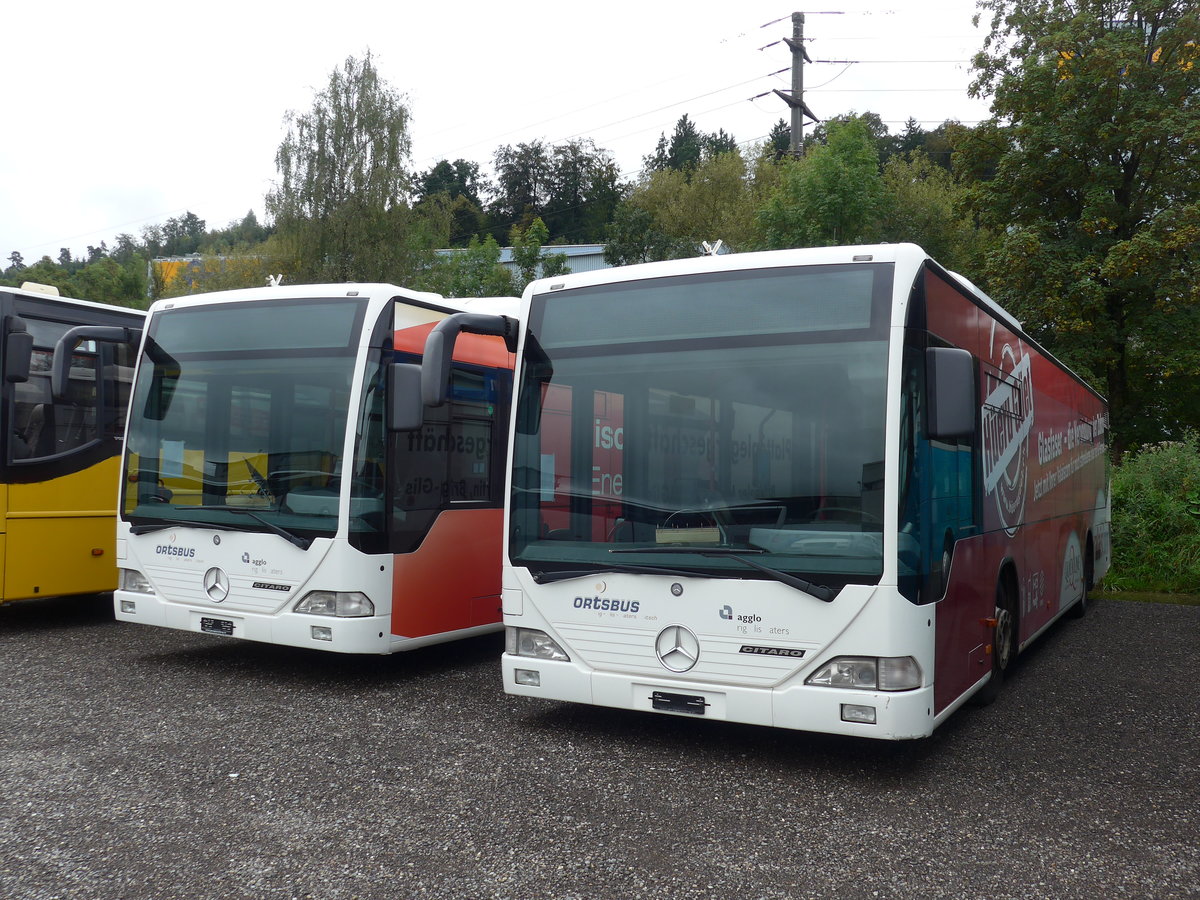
(892,62)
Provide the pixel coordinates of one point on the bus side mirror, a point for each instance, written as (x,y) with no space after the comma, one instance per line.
(405,410)
(950,388)
(60,372)
(18,351)
(439,349)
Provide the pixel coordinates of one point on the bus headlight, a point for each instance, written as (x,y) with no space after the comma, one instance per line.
(872,673)
(533,643)
(335,603)
(133,580)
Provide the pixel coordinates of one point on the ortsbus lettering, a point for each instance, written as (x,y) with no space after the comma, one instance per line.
(169,550)
(605,604)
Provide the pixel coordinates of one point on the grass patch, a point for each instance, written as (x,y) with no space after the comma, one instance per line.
(1148,597)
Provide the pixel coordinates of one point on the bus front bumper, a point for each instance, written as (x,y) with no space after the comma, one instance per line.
(898,715)
(362,634)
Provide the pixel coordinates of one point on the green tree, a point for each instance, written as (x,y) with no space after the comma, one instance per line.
(340,206)
(126,248)
(531,262)
(681,152)
(152,240)
(712,202)
(472,272)
(924,204)
(671,212)
(460,178)
(881,140)
(686,149)
(245,233)
(107,281)
(833,195)
(455,189)
(522,186)
(634,237)
(718,142)
(780,139)
(223,273)
(1095,204)
(584,190)
(16,262)
(183,235)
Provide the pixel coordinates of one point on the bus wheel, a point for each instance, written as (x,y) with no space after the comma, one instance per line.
(1004,644)
(1077,611)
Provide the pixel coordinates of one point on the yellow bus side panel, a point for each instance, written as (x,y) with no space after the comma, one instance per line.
(61,535)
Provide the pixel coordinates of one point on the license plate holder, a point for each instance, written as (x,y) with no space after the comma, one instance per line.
(210,625)
(667,701)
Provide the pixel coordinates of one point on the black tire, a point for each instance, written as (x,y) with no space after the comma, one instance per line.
(1080,609)
(1004,643)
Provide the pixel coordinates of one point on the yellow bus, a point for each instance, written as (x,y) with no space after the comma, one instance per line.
(61,458)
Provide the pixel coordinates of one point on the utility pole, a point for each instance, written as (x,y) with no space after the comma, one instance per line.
(795,97)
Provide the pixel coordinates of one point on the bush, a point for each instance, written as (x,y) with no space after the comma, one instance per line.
(1156,518)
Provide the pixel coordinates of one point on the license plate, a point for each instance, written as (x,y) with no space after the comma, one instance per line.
(216,626)
(692,704)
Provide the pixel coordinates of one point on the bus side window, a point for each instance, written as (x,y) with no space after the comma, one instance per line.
(450,460)
(42,427)
(118,378)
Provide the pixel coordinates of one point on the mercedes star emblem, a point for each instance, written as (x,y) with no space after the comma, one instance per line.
(216,584)
(677,648)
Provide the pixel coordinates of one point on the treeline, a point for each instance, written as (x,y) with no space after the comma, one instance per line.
(692,187)
(121,274)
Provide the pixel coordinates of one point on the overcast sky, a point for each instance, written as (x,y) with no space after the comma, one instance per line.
(125,114)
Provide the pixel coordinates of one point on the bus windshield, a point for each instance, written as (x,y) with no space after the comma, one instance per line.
(727,424)
(239,416)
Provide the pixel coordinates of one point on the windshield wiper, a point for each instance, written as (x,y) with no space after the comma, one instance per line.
(162,524)
(820,591)
(302,543)
(542,577)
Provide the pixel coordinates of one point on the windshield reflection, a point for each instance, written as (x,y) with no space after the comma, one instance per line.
(248,438)
(751,455)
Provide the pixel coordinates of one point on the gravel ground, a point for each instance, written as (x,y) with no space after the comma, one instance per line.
(145,763)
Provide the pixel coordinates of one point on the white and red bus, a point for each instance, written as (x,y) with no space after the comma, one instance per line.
(831,489)
(264,495)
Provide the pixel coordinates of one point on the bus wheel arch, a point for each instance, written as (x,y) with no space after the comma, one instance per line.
(1005,632)
(1089,576)
(1006,638)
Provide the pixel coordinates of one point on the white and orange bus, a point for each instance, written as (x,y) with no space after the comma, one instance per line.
(831,489)
(58,466)
(264,496)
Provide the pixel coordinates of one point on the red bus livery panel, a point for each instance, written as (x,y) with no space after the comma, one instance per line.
(468,595)
(1042,446)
